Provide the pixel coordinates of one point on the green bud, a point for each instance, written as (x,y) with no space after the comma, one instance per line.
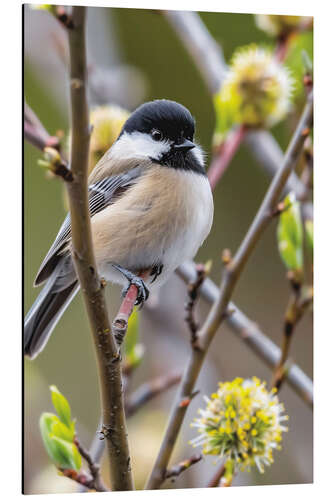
(63,453)
(61,406)
(290,234)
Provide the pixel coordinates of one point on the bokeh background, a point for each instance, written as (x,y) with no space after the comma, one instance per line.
(136,56)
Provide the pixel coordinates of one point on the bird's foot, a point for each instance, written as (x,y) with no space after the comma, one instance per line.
(133,279)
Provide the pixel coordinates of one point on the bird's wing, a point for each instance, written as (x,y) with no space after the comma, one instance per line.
(101,194)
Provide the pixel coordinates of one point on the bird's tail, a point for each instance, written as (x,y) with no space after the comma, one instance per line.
(45,314)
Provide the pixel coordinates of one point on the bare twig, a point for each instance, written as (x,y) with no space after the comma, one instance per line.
(231,275)
(297,306)
(222,160)
(248,332)
(35,132)
(193,290)
(114,424)
(216,478)
(150,390)
(177,469)
(96,482)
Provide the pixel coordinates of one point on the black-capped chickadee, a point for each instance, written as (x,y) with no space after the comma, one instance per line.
(151,208)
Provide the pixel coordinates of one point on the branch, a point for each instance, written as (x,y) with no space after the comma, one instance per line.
(231,275)
(114,424)
(95,482)
(228,149)
(150,390)
(297,306)
(205,52)
(120,323)
(35,132)
(177,469)
(215,480)
(249,332)
(193,291)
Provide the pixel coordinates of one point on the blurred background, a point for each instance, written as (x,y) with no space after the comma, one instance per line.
(135,56)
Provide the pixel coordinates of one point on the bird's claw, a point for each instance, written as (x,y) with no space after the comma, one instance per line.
(143,292)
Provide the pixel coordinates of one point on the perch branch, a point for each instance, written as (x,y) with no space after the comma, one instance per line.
(109,371)
(231,275)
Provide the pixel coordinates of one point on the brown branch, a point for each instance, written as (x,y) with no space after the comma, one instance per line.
(109,370)
(297,306)
(230,278)
(193,290)
(150,390)
(177,469)
(216,478)
(95,482)
(120,323)
(35,132)
(226,152)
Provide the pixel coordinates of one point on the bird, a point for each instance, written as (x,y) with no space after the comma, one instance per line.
(151,208)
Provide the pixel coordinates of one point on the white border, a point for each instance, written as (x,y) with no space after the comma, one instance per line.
(10,107)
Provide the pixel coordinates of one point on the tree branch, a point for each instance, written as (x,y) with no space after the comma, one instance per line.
(247,331)
(177,469)
(110,382)
(150,390)
(35,132)
(229,281)
(96,482)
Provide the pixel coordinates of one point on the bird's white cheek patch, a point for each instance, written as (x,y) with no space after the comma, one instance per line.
(138,144)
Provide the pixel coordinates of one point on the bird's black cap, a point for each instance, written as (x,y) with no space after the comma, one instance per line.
(170,117)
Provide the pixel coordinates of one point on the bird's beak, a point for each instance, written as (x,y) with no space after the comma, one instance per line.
(186,145)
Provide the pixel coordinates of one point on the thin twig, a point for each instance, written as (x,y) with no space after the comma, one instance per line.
(83,479)
(96,483)
(150,390)
(216,478)
(227,151)
(114,424)
(230,278)
(177,469)
(193,290)
(248,332)
(35,132)
(299,303)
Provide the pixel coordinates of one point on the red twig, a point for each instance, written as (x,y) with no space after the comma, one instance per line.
(225,155)
(120,323)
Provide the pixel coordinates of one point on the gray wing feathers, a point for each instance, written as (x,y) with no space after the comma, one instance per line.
(101,194)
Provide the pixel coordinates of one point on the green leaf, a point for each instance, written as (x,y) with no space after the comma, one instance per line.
(61,405)
(290,234)
(62,431)
(63,453)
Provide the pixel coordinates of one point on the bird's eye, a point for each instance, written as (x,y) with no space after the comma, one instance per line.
(157,135)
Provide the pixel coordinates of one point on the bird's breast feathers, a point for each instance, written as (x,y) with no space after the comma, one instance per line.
(163,218)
